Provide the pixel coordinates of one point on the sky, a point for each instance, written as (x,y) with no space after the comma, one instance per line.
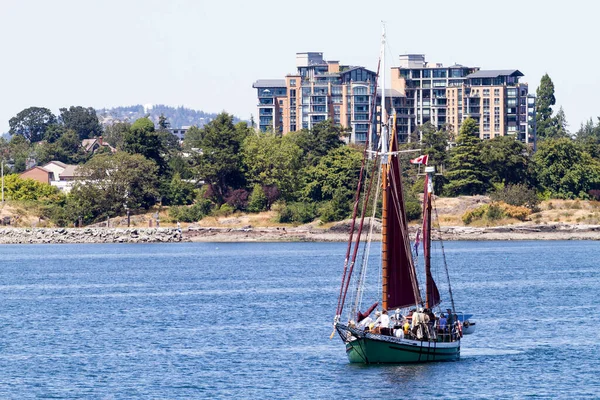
(205,55)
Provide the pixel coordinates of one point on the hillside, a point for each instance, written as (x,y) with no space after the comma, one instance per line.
(176,116)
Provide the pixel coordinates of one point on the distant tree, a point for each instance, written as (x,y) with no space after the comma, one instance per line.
(82,120)
(466,174)
(114,134)
(565,170)
(320,140)
(544,102)
(257,201)
(32,123)
(163,122)
(109,182)
(220,161)
(506,160)
(142,139)
(19,150)
(180,192)
(434,143)
(192,138)
(558,128)
(272,160)
(589,137)
(338,172)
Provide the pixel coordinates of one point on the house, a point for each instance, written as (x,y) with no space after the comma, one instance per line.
(39,174)
(94,144)
(62,175)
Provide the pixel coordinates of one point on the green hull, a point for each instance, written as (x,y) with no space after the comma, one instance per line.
(376,349)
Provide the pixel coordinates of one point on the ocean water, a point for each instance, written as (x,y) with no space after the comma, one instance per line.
(252,320)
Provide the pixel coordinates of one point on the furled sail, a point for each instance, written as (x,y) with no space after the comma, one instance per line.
(399,277)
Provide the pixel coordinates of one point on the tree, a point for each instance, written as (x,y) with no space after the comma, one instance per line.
(219,162)
(83,121)
(142,139)
(338,170)
(192,138)
(115,134)
(558,128)
(111,182)
(544,102)
(272,160)
(320,140)
(32,123)
(180,192)
(466,174)
(565,170)
(163,123)
(435,144)
(506,159)
(19,150)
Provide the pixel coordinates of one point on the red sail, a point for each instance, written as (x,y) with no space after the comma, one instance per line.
(432,292)
(402,288)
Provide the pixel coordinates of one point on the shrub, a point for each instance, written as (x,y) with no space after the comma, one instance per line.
(516,195)
(475,214)
(520,213)
(224,211)
(297,212)
(494,212)
(238,199)
(193,213)
(258,200)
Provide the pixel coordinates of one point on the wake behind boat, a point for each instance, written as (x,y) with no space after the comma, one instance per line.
(416,329)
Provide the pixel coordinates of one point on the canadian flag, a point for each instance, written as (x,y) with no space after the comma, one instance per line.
(420,160)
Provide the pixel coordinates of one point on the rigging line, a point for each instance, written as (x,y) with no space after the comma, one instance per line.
(358,235)
(444,257)
(355,298)
(357,196)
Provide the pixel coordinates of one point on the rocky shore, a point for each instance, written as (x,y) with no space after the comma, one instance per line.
(339,232)
(88,235)
(305,233)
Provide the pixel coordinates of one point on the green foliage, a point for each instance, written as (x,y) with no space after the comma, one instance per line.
(17,188)
(496,211)
(271,160)
(18,150)
(67,148)
(297,212)
(193,138)
(193,213)
(435,143)
(319,141)
(220,161)
(142,139)
(112,182)
(517,195)
(179,192)
(258,200)
(338,170)
(466,175)
(544,101)
(412,207)
(83,121)
(505,159)
(115,134)
(32,123)
(337,208)
(224,211)
(564,169)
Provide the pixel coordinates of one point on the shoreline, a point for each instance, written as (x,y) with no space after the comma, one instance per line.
(305,233)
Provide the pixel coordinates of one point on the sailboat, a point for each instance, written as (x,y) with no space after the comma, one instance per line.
(414,333)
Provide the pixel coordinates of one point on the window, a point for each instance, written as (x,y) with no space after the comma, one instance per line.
(486,92)
(292,82)
(496,92)
(496,101)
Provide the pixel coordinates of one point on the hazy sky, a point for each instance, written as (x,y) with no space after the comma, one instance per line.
(206,54)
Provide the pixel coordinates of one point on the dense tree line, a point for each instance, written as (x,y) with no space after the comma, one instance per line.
(226,166)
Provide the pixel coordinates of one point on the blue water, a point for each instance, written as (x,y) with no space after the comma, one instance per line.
(215,320)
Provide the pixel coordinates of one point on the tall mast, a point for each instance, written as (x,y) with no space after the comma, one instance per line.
(384,181)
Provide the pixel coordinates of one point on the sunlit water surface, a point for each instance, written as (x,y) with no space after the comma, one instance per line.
(232,320)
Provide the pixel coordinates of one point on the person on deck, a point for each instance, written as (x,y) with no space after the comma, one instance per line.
(382,323)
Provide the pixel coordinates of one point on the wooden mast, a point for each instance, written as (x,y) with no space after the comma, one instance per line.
(384,182)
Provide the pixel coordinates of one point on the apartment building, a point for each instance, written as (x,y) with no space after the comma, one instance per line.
(318,91)
(420,92)
(446,96)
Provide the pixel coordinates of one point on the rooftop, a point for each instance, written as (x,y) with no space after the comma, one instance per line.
(269,83)
(494,73)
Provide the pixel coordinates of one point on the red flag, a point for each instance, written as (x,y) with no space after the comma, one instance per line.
(420,160)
